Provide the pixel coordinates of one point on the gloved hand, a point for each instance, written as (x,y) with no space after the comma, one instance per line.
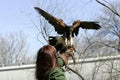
(70,53)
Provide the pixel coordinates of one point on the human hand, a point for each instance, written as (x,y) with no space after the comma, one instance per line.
(70,53)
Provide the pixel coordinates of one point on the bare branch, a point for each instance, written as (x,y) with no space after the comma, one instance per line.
(114,11)
(75,72)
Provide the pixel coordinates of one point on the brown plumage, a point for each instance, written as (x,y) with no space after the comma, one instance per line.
(67,31)
(62,28)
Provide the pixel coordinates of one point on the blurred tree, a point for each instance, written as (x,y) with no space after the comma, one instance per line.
(13,49)
(110,21)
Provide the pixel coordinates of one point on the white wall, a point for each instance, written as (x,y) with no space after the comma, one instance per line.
(102,67)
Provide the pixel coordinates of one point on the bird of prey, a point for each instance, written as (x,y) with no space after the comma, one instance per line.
(67,31)
(58,42)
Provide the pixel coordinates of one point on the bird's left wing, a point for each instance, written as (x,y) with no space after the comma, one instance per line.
(84,25)
(58,24)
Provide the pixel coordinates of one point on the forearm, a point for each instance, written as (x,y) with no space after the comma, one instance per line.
(68,53)
(65,58)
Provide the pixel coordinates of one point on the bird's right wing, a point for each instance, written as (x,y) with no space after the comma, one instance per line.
(58,24)
(85,25)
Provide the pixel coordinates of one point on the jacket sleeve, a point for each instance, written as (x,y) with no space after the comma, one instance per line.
(57,74)
(61,62)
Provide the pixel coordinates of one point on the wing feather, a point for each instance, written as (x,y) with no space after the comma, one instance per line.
(84,25)
(58,24)
(89,25)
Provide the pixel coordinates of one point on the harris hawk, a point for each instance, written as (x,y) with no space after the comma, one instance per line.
(67,31)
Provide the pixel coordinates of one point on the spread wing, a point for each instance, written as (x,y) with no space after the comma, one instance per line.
(58,24)
(84,25)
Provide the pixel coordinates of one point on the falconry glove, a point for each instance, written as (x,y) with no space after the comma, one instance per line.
(70,52)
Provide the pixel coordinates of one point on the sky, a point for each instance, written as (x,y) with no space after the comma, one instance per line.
(18,15)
